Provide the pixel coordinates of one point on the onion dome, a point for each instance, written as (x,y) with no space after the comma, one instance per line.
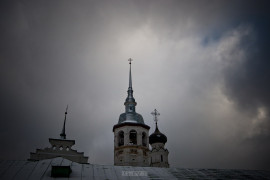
(157,137)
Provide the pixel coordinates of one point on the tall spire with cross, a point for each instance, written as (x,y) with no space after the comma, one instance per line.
(130,133)
(130,90)
(130,101)
(130,115)
(63,133)
(130,79)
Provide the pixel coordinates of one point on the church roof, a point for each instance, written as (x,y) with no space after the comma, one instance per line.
(157,137)
(26,170)
(130,124)
(131,117)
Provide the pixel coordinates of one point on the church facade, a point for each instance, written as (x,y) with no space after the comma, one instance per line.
(131,137)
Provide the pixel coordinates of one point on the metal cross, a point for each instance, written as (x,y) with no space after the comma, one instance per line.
(130,60)
(155,113)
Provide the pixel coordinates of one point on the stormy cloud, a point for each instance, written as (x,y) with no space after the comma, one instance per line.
(202,64)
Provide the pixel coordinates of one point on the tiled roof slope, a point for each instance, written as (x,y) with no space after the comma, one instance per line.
(27,170)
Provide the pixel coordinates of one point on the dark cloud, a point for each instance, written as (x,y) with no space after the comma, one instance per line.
(202,64)
(246,83)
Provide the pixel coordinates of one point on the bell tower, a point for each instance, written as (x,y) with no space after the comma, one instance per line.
(131,146)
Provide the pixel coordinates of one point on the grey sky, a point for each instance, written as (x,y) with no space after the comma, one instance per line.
(202,64)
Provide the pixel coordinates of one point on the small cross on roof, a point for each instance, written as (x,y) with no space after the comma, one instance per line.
(155,113)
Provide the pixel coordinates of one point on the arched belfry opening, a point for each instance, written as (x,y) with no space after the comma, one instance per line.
(133,137)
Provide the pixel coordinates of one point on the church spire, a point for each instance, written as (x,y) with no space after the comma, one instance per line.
(130,79)
(63,133)
(130,90)
(130,101)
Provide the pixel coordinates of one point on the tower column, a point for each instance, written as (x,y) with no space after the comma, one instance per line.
(139,138)
(126,138)
(116,140)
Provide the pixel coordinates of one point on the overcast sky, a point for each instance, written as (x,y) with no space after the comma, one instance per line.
(204,65)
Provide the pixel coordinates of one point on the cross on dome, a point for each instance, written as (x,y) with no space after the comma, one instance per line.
(155,114)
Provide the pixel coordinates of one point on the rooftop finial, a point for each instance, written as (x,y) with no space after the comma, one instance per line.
(130,91)
(63,133)
(130,79)
(155,113)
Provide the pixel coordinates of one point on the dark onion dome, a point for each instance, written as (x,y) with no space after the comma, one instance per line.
(157,137)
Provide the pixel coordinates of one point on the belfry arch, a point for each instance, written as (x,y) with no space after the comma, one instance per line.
(133,137)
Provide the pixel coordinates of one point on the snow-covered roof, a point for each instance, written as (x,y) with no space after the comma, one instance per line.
(27,170)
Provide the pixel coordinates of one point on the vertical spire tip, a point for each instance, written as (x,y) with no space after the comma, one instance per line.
(130,78)
(63,133)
